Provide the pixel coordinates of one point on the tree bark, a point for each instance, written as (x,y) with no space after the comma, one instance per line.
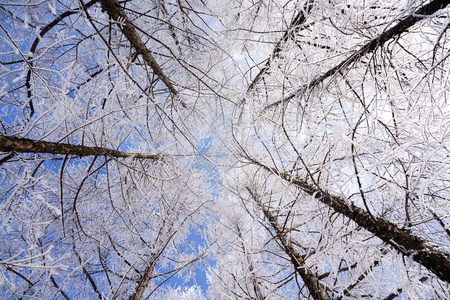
(115,11)
(22,145)
(407,244)
(140,289)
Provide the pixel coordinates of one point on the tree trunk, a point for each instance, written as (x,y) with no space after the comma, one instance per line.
(115,11)
(406,243)
(315,288)
(22,145)
(371,46)
(140,289)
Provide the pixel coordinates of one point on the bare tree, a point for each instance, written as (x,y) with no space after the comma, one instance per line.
(306,142)
(342,124)
(100,185)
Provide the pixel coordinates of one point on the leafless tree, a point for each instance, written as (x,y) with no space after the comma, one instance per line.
(306,143)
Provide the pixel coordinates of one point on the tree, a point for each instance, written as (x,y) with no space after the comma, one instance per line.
(305,141)
(98,191)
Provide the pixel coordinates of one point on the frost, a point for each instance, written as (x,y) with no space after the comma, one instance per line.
(20,77)
(52,7)
(3,89)
(26,19)
(286,101)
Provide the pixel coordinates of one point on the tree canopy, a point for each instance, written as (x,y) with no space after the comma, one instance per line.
(288,149)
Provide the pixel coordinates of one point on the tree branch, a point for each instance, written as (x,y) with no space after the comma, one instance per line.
(22,145)
(255,282)
(316,289)
(44,30)
(298,20)
(371,46)
(87,274)
(145,280)
(115,11)
(407,244)
(59,289)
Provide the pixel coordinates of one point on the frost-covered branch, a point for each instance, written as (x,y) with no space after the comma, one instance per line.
(115,11)
(298,20)
(316,289)
(403,241)
(374,44)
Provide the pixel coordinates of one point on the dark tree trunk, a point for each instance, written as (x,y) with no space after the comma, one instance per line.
(402,26)
(22,145)
(315,288)
(406,243)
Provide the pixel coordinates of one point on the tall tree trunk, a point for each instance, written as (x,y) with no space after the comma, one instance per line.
(140,289)
(22,145)
(371,46)
(115,11)
(406,243)
(316,289)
